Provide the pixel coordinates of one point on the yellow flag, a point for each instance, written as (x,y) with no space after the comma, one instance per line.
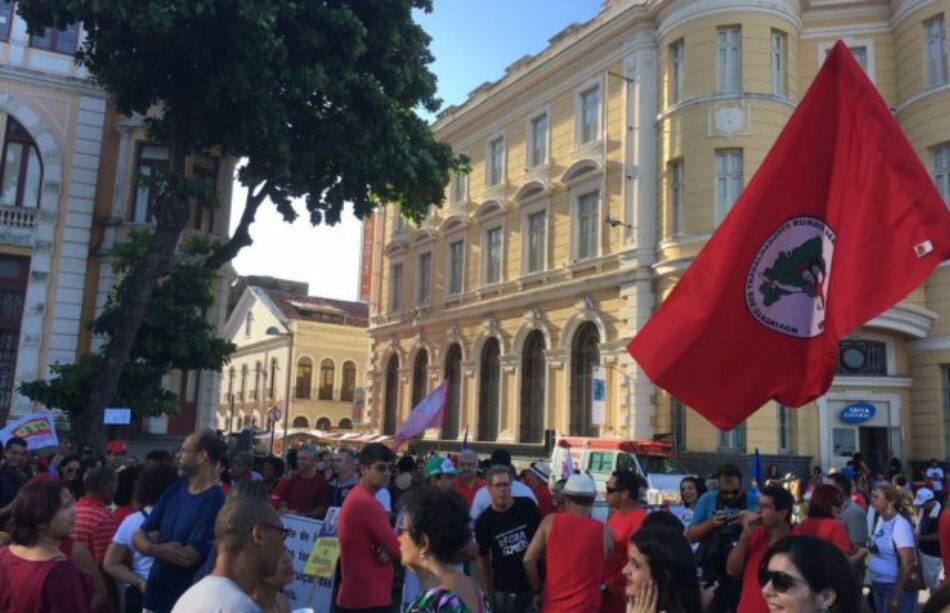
(323,557)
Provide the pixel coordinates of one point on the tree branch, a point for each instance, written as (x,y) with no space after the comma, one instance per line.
(242,236)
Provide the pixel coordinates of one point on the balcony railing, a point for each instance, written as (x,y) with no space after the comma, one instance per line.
(17,217)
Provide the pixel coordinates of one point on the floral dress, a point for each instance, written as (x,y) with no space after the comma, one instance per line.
(440,600)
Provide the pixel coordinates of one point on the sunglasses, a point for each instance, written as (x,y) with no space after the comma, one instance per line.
(781,582)
(613,490)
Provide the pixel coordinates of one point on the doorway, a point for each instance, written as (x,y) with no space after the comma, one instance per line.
(875,447)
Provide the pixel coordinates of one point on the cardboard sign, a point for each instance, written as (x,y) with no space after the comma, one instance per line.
(314,547)
(37,429)
(599,395)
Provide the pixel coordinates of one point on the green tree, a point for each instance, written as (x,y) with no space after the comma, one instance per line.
(318,97)
(174,335)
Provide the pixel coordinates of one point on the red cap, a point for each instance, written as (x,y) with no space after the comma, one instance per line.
(115,447)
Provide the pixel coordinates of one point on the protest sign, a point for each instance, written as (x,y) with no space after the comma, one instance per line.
(314,548)
(37,429)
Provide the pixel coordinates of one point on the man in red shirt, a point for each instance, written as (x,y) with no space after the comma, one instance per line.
(95,523)
(624,489)
(536,477)
(761,530)
(943,530)
(468,482)
(368,543)
(306,492)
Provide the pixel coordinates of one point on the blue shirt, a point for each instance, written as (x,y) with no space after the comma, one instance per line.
(706,506)
(182,518)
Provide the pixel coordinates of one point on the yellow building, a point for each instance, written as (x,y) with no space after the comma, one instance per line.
(600,167)
(326,342)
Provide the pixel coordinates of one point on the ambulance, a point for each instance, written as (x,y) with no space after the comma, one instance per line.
(654,461)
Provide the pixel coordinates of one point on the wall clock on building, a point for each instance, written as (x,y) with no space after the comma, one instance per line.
(729,120)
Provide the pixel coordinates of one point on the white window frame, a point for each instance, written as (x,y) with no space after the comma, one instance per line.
(529,162)
(935,50)
(396,298)
(489,226)
(502,175)
(853,43)
(527,212)
(423,282)
(677,70)
(676,173)
(735,440)
(400,225)
(722,207)
(454,196)
(940,167)
(595,83)
(728,77)
(779,54)
(580,191)
(785,429)
(451,240)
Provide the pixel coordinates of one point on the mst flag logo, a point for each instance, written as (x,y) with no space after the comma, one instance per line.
(787,285)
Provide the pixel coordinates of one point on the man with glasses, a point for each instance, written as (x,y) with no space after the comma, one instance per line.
(761,530)
(468,482)
(250,543)
(482,500)
(367,541)
(503,533)
(716,526)
(306,492)
(624,492)
(179,532)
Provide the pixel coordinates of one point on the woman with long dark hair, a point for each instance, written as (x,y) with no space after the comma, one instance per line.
(805,574)
(661,573)
(691,489)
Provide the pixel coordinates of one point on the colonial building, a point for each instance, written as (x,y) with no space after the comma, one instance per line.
(67,194)
(323,340)
(600,167)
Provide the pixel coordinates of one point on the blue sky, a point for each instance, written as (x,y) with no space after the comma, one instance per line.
(472,41)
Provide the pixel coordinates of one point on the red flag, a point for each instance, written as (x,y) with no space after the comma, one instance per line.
(840,222)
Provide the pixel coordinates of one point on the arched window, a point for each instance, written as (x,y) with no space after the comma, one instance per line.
(304,378)
(585,355)
(326,380)
(258,371)
(21,172)
(392,396)
(301,422)
(243,383)
(324,424)
(488,379)
(533,370)
(346,424)
(349,382)
(420,377)
(453,375)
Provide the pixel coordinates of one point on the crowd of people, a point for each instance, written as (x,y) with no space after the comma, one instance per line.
(202,531)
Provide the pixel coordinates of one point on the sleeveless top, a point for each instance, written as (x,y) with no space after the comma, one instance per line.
(30,580)
(440,600)
(575,565)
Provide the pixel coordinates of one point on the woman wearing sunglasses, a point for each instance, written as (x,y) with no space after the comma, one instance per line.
(804,574)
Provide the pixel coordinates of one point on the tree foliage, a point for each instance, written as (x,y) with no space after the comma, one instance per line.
(319,98)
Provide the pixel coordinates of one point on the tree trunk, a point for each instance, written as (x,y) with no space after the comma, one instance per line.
(171,213)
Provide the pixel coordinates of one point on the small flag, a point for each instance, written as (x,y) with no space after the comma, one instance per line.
(465,439)
(567,469)
(757,468)
(427,414)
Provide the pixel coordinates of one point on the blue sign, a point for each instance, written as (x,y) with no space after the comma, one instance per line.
(858,413)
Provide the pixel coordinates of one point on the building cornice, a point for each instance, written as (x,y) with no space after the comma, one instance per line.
(682,12)
(74,85)
(911,319)
(905,8)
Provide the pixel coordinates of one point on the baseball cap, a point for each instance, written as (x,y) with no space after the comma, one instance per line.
(581,486)
(115,447)
(924,495)
(439,466)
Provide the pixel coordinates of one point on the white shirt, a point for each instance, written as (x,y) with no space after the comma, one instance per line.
(141,565)
(483,497)
(895,531)
(215,595)
(935,474)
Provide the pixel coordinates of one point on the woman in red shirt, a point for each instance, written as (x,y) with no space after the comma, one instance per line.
(822,521)
(35,575)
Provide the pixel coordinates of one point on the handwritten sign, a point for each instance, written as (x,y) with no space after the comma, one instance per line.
(315,549)
(37,429)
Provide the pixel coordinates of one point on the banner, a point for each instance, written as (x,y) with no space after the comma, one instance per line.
(427,414)
(599,392)
(314,548)
(359,399)
(37,429)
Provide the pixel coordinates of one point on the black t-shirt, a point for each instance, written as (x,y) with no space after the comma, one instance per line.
(10,484)
(928,525)
(505,536)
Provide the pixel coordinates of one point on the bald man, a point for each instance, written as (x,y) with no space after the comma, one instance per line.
(250,542)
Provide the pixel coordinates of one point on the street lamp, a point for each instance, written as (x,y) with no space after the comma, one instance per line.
(274,331)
